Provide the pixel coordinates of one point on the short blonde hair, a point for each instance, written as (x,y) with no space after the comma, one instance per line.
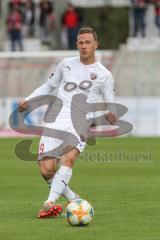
(88,30)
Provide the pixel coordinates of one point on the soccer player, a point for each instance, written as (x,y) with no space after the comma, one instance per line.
(74,75)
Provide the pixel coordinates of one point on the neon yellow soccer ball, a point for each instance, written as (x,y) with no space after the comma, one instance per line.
(79,212)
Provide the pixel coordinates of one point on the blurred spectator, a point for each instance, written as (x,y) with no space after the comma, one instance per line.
(14,27)
(71,21)
(29,18)
(12,3)
(139,15)
(157,14)
(47,22)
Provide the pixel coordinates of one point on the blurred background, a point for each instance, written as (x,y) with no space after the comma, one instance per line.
(37,34)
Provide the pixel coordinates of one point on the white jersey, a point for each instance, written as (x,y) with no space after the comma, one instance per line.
(72,77)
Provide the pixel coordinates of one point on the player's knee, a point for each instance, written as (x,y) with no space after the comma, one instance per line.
(47,168)
(69,158)
(47,173)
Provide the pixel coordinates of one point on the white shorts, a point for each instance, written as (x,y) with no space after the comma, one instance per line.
(57,136)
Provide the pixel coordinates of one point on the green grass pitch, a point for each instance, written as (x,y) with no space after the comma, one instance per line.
(123,189)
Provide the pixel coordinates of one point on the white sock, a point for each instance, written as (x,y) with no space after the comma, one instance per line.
(69,194)
(59,182)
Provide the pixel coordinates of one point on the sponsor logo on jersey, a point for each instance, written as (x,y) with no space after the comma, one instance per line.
(84,86)
(93,76)
(70,86)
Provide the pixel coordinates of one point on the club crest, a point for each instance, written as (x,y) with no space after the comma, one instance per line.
(93,76)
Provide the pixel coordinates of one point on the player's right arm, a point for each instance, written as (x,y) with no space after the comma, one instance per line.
(52,82)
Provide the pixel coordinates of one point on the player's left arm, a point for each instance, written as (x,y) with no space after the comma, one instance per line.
(108,93)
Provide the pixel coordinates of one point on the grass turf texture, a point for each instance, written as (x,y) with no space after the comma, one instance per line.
(125,194)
